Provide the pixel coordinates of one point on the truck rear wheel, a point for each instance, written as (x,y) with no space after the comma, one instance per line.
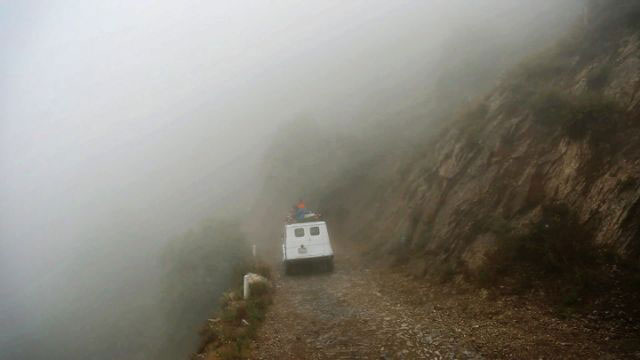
(288,268)
(329,265)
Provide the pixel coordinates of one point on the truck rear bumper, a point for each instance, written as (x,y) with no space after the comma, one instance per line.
(309,259)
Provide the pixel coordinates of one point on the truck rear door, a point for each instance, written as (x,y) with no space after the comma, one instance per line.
(318,240)
(297,242)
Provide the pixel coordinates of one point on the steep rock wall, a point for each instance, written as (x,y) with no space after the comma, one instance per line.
(562,130)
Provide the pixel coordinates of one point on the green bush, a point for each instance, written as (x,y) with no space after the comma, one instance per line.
(228,336)
(446,273)
(551,108)
(592,114)
(259,289)
(599,77)
(472,119)
(556,61)
(576,116)
(261,268)
(557,248)
(545,67)
(493,223)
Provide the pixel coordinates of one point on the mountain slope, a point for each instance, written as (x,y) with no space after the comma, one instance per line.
(540,179)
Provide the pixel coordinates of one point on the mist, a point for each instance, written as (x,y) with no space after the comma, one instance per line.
(125,124)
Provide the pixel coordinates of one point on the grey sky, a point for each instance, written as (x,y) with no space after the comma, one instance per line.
(105,101)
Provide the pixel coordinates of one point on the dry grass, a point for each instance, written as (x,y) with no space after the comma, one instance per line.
(557,256)
(228,335)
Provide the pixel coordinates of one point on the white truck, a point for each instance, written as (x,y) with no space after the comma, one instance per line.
(306,242)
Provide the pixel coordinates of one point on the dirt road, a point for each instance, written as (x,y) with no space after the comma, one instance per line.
(344,315)
(361,313)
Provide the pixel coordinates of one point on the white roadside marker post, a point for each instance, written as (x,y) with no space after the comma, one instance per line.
(246,286)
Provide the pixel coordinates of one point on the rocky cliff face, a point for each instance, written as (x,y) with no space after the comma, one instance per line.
(550,157)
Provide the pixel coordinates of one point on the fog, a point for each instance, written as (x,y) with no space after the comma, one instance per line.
(124,124)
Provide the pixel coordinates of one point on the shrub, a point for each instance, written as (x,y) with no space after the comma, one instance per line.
(593,114)
(555,248)
(576,116)
(228,336)
(231,351)
(472,119)
(259,289)
(475,112)
(261,268)
(550,108)
(612,18)
(446,273)
(629,183)
(558,243)
(544,67)
(599,77)
(550,64)
(493,223)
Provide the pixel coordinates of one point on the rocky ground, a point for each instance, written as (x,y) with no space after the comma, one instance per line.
(357,312)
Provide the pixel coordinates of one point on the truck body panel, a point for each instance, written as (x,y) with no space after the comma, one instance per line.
(306,242)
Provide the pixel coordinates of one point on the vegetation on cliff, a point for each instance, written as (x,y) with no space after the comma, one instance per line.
(228,334)
(198,267)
